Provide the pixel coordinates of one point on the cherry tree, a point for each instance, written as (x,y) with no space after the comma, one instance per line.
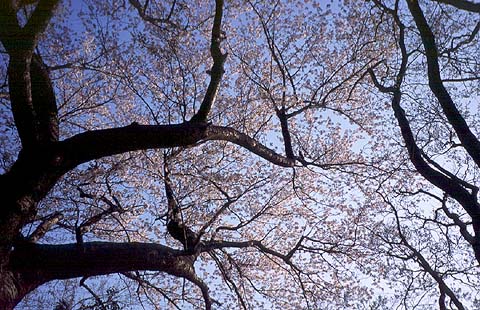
(238,154)
(136,145)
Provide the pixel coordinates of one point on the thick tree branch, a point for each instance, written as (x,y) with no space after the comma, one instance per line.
(16,39)
(66,261)
(20,89)
(106,142)
(462,5)
(466,136)
(217,70)
(32,99)
(10,31)
(95,144)
(287,139)
(39,20)
(19,44)
(44,101)
(176,227)
(42,263)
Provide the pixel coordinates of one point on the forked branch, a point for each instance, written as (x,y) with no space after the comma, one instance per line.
(467,137)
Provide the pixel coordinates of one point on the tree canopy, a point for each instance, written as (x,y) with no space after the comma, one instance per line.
(239,154)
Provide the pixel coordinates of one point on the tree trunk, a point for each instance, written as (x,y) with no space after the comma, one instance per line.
(13,288)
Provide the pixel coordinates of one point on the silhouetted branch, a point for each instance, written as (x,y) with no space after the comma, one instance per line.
(455,118)
(462,5)
(217,70)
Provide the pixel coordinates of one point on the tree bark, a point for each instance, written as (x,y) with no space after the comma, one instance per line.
(31,264)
